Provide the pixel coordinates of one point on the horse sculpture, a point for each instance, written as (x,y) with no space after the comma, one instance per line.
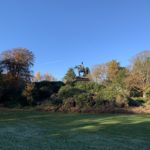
(82,70)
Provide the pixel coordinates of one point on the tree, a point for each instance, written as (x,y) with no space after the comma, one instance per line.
(49,77)
(99,73)
(118,83)
(139,76)
(17,62)
(70,75)
(37,77)
(112,69)
(15,71)
(1,80)
(107,71)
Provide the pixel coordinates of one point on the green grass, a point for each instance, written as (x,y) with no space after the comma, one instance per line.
(58,131)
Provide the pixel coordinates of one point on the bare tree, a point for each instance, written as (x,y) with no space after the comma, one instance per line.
(99,73)
(107,71)
(139,77)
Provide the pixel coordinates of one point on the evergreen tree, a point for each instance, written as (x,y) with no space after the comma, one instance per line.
(70,75)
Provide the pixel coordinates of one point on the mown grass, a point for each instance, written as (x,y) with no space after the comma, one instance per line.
(58,131)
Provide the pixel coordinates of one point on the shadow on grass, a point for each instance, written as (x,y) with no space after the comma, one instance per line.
(61,123)
(120,131)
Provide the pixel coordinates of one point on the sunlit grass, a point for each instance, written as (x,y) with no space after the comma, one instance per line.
(50,131)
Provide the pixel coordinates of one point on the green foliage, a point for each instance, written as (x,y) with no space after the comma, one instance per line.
(55,99)
(70,76)
(147,93)
(84,100)
(12,92)
(44,89)
(75,97)
(68,104)
(135,101)
(91,87)
(69,91)
(91,95)
(107,93)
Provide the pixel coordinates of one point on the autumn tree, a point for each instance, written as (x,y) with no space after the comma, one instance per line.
(107,71)
(37,77)
(49,77)
(112,69)
(139,76)
(17,63)
(15,68)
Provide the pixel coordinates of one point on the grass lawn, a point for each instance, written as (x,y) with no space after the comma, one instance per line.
(58,131)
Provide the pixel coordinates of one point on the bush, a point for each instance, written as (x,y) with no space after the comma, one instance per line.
(11,92)
(106,94)
(75,97)
(135,93)
(68,104)
(121,101)
(84,100)
(69,91)
(89,86)
(147,93)
(44,89)
(55,99)
(47,106)
(28,93)
(135,102)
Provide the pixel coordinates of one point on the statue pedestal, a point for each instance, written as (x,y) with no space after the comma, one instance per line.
(82,79)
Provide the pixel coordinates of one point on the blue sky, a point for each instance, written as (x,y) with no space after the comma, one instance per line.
(63,33)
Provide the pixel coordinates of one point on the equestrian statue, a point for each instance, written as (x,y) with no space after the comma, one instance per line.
(82,71)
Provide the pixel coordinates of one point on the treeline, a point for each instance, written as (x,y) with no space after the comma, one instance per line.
(110,85)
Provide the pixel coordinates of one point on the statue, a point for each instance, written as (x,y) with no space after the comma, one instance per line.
(82,71)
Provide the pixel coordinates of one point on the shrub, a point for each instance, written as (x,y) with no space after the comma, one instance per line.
(11,92)
(69,91)
(69,103)
(44,89)
(106,94)
(147,93)
(84,100)
(135,102)
(47,106)
(89,86)
(135,93)
(55,99)
(121,101)
(28,93)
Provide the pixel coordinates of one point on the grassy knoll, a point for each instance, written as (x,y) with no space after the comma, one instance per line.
(58,131)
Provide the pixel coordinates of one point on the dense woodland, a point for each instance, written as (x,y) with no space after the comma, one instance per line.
(110,86)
